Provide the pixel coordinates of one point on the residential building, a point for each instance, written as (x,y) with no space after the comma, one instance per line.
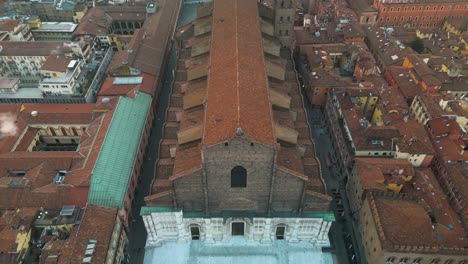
(60,75)
(387,50)
(15,234)
(367,14)
(99,237)
(427,13)
(348,115)
(49,10)
(24,60)
(414,145)
(15,30)
(47,78)
(47,156)
(421,236)
(242,164)
(450,142)
(8,85)
(327,66)
(403,214)
(455,25)
(426,107)
(54,31)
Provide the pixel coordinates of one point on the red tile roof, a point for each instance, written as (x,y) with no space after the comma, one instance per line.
(97,224)
(237,90)
(56,63)
(148,86)
(9,25)
(389,214)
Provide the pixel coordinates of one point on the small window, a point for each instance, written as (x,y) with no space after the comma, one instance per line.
(238,177)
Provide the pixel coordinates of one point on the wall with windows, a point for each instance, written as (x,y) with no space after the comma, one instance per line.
(27,68)
(256,159)
(416,15)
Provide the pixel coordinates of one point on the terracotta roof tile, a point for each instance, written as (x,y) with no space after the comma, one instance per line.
(97,224)
(237,90)
(56,63)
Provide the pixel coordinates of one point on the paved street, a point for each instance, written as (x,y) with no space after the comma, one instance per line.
(137,232)
(341,233)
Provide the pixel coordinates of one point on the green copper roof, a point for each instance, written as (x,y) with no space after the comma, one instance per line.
(326,216)
(114,166)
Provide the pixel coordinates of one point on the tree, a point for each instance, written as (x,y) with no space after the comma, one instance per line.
(417,45)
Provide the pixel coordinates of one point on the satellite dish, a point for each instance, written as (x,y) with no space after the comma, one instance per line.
(34,113)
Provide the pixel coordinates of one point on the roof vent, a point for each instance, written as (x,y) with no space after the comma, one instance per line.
(105,100)
(239,131)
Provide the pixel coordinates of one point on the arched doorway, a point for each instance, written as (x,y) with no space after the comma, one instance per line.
(195,232)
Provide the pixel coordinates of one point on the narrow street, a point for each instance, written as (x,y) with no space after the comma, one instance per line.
(137,232)
(342,236)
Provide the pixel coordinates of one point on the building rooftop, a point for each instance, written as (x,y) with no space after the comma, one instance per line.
(405,83)
(56,63)
(363,135)
(8,82)
(56,27)
(430,222)
(39,168)
(9,25)
(33,48)
(97,224)
(382,43)
(390,213)
(114,166)
(377,174)
(414,138)
(236,94)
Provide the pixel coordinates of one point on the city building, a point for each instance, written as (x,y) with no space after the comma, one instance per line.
(427,107)
(54,31)
(49,10)
(449,140)
(15,233)
(414,144)
(15,30)
(24,60)
(49,151)
(237,162)
(419,14)
(455,25)
(60,75)
(387,50)
(403,215)
(367,14)
(98,237)
(327,66)
(103,21)
(138,90)
(46,74)
(348,115)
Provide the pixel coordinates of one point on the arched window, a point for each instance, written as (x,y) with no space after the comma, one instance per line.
(238,177)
